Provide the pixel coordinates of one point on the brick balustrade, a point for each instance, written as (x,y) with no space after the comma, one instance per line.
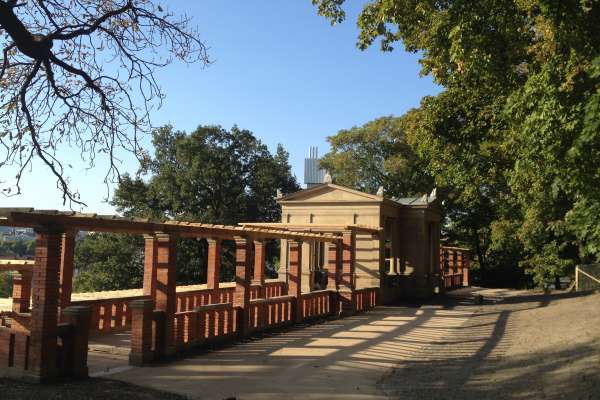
(49,337)
(14,351)
(454,266)
(316,304)
(270,313)
(206,324)
(366,299)
(110,315)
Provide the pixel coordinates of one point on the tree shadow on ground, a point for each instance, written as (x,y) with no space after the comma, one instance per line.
(477,368)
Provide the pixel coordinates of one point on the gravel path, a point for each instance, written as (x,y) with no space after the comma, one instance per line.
(517,346)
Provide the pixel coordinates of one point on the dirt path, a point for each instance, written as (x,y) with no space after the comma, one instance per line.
(525,346)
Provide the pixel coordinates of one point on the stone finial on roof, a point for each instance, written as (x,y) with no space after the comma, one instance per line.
(279,194)
(433,194)
(327,178)
(380,191)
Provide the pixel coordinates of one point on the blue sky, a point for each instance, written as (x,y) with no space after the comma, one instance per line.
(279,70)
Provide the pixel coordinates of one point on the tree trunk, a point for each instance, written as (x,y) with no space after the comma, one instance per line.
(557,285)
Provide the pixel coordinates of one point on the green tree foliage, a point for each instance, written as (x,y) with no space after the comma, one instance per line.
(17,248)
(513,139)
(377,154)
(210,175)
(5,285)
(109,261)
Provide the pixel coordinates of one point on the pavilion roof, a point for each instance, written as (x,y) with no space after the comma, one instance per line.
(75,221)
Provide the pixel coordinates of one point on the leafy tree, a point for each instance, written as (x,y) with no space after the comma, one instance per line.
(17,248)
(5,284)
(513,138)
(81,73)
(108,261)
(210,175)
(377,154)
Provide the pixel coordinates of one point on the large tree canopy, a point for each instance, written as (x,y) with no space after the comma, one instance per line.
(377,154)
(514,136)
(211,175)
(80,74)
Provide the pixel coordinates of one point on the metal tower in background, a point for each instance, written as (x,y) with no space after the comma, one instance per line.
(313,174)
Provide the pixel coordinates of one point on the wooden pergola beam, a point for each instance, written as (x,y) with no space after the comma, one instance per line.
(102,223)
(17,265)
(312,228)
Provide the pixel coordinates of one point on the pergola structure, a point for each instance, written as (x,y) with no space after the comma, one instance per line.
(49,337)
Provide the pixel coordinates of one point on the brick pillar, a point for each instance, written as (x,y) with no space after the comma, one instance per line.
(141,331)
(67,256)
(295,277)
(79,318)
(466,266)
(347,279)
(44,313)
(241,297)
(333,273)
(166,293)
(213,273)
(259,266)
(21,293)
(333,265)
(150,265)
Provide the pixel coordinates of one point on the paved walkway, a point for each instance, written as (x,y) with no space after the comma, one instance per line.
(340,359)
(515,345)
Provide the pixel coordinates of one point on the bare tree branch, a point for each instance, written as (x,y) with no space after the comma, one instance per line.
(81,74)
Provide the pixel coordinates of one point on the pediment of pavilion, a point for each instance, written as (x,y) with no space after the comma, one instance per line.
(329,192)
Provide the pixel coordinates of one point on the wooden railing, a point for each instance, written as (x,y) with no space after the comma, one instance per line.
(365,299)
(205,324)
(270,313)
(316,304)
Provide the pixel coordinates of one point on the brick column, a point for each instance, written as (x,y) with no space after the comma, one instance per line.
(333,265)
(295,277)
(241,297)
(21,293)
(141,331)
(333,273)
(213,273)
(150,265)
(259,266)
(79,318)
(66,267)
(347,279)
(166,294)
(466,267)
(44,313)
